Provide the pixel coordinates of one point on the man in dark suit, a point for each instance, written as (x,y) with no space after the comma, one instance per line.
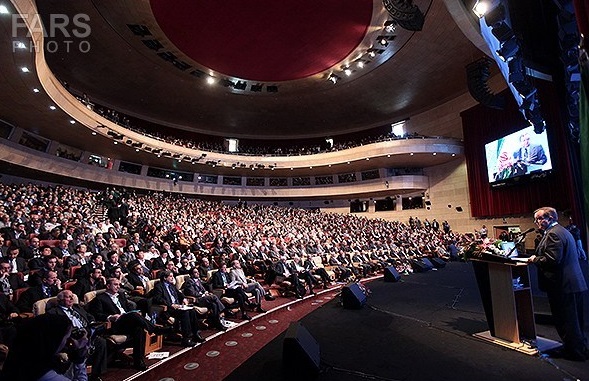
(91,282)
(560,276)
(193,287)
(19,264)
(82,320)
(8,280)
(530,153)
(113,306)
(50,286)
(221,280)
(165,293)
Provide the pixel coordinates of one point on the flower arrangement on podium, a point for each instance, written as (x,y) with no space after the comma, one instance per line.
(485,249)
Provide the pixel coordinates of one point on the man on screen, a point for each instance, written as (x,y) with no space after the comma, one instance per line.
(529,153)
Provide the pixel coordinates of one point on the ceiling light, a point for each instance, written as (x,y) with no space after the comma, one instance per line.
(72,121)
(94,133)
(348,71)
(435,153)
(136,149)
(116,143)
(35,90)
(390,26)
(367,158)
(52,107)
(453,154)
(481,7)
(360,64)
(20,45)
(4,10)
(371,53)
(210,80)
(333,78)
(411,154)
(24,69)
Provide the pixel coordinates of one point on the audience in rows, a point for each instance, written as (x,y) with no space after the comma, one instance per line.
(56,239)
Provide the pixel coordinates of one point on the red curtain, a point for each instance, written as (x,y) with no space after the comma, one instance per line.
(482,125)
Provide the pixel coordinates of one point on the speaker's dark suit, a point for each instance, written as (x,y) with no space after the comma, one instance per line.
(98,358)
(561,277)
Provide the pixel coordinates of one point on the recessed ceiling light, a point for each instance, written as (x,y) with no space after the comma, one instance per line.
(94,133)
(411,154)
(136,149)
(389,155)
(4,10)
(116,143)
(435,153)
(20,45)
(35,90)
(24,69)
(52,107)
(367,158)
(453,154)
(72,121)
(210,80)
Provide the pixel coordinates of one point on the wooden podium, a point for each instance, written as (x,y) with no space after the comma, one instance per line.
(507,299)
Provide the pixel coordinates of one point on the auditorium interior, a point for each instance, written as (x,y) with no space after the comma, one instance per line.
(377,110)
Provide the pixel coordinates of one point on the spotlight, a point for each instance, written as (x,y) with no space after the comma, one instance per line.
(210,80)
(390,26)
(240,85)
(4,10)
(348,71)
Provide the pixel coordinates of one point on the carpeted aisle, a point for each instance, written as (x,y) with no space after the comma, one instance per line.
(418,329)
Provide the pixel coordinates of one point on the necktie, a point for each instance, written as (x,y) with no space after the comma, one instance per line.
(525,153)
(77,320)
(172,294)
(118,304)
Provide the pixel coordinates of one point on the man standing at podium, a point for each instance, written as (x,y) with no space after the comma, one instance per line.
(560,276)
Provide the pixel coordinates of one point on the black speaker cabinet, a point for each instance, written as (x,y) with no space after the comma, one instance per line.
(427,262)
(419,267)
(300,352)
(391,274)
(353,297)
(438,262)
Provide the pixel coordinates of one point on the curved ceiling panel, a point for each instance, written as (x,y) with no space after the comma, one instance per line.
(265,40)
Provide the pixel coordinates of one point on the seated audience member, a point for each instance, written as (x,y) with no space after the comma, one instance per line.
(8,317)
(222,281)
(137,277)
(79,258)
(9,282)
(17,262)
(91,282)
(50,285)
(81,320)
(166,293)
(303,273)
(145,263)
(35,354)
(38,262)
(96,262)
(193,287)
(113,306)
(286,272)
(309,265)
(111,263)
(50,263)
(249,285)
(143,303)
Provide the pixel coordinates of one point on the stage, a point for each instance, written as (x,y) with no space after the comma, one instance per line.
(418,329)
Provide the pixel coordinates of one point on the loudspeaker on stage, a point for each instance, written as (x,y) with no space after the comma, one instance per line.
(391,274)
(353,297)
(301,354)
